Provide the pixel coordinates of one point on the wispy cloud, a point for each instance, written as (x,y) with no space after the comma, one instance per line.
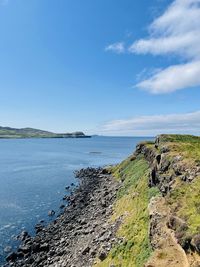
(176,32)
(173,78)
(153,125)
(116,47)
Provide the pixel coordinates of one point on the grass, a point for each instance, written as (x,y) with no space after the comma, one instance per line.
(132,204)
(186,145)
(133,199)
(188,150)
(185,201)
(179,138)
(7,132)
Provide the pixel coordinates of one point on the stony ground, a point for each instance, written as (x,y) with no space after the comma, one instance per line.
(81,233)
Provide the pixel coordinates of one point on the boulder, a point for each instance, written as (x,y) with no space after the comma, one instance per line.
(51,213)
(25,249)
(102,255)
(177,223)
(85,250)
(12,257)
(195,242)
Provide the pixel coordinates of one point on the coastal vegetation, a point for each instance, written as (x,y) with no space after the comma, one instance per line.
(7,132)
(132,204)
(159,203)
(144,211)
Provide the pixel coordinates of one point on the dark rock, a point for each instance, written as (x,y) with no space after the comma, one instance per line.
(12,257)
(44,247)
(67,198)
(102,255)
(104,171)
(165,163)
(81,227)
(164,149)
(103,203)
(184,241)
(25,249)
(177,223)
(51,213)
(158,158)
(23,236)
(195,242)
(35,247)
(29,260)
(85,250)
(39,228)
(153,178)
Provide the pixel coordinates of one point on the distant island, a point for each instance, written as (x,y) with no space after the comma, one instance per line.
(8,132)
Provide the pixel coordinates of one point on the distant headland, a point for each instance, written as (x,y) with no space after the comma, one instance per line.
(8,132)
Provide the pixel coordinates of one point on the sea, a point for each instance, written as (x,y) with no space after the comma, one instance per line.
(35,172)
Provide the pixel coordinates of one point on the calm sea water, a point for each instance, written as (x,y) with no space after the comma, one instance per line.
(34,173)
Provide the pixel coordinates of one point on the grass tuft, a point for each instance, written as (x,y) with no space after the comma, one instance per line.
(132,204)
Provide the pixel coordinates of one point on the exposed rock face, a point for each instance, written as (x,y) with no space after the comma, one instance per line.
(167,252)
(167,232)
(81,233)
(164,169)
(195,242)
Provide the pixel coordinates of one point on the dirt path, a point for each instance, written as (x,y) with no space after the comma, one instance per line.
(167,252)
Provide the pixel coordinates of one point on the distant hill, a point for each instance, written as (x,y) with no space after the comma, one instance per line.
(7,132)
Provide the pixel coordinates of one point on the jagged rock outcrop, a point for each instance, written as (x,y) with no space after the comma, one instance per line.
(161,196)
(167,230)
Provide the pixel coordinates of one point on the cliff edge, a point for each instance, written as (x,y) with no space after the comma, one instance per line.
(143,212)
(159,201)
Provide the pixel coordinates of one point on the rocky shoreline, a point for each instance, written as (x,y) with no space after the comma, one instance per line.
(81,234)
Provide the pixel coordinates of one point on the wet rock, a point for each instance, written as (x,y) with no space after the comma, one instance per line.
(51,213)
(44,247)
(7,249)
(23,235)
(35,247)
(12,257)
(75,236)
(25,249)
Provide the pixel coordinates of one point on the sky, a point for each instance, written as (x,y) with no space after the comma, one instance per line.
(104,67)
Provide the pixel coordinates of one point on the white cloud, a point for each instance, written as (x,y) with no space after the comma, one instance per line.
(153,125)
(173,78)
(176,32)
(116,47)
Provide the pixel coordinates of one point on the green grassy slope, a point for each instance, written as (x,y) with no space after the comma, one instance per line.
(7,132)
(134,196)
(132,204)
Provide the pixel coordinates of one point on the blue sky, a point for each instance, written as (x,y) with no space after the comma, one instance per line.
(101,66)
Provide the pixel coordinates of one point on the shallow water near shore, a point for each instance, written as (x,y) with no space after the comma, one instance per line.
(34,173)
